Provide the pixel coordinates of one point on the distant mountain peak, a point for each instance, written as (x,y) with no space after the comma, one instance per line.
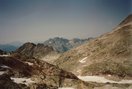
(29,43)
(62,45)
(32,50)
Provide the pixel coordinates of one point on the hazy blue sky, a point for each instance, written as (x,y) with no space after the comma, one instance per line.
(38,20)
(131,6)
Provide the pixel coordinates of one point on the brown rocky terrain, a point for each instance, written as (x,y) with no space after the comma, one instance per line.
(42,73)
(110,53)
(31,50)
(50,50)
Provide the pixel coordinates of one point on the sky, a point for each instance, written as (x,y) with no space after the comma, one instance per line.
(131,5)
(39,20)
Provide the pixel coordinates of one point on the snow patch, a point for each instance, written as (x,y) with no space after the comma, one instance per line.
(26,81)
(2,72)
(29,63)
(4,55)
(83,60)
(50,42)
(4,66)
(99,79)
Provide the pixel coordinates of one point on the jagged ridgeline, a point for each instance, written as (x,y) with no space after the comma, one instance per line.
(50,50)
(62,45)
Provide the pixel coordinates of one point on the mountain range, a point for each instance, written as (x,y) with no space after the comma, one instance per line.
(7,47)
(50,50)
(63,45)
(58,44)
(109,55)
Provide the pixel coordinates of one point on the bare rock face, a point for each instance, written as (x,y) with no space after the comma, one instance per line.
(26,49)
(41,50)
(110,53)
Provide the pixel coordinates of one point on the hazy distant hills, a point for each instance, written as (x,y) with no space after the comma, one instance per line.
(10,46)
(7,47)
(58,44)
(110,53)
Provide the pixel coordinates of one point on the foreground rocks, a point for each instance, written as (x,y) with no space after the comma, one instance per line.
(41,73)
(43,76)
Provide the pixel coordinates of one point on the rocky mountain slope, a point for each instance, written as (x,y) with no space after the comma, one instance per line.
(31,50)
(50,50)
(110,53)
(39,72)
(63,45)
(36,74)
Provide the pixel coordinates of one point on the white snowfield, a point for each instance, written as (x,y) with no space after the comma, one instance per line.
(83,60)
(26,81)
(99,79)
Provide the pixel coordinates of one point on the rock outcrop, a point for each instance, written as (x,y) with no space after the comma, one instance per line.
(31,50)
